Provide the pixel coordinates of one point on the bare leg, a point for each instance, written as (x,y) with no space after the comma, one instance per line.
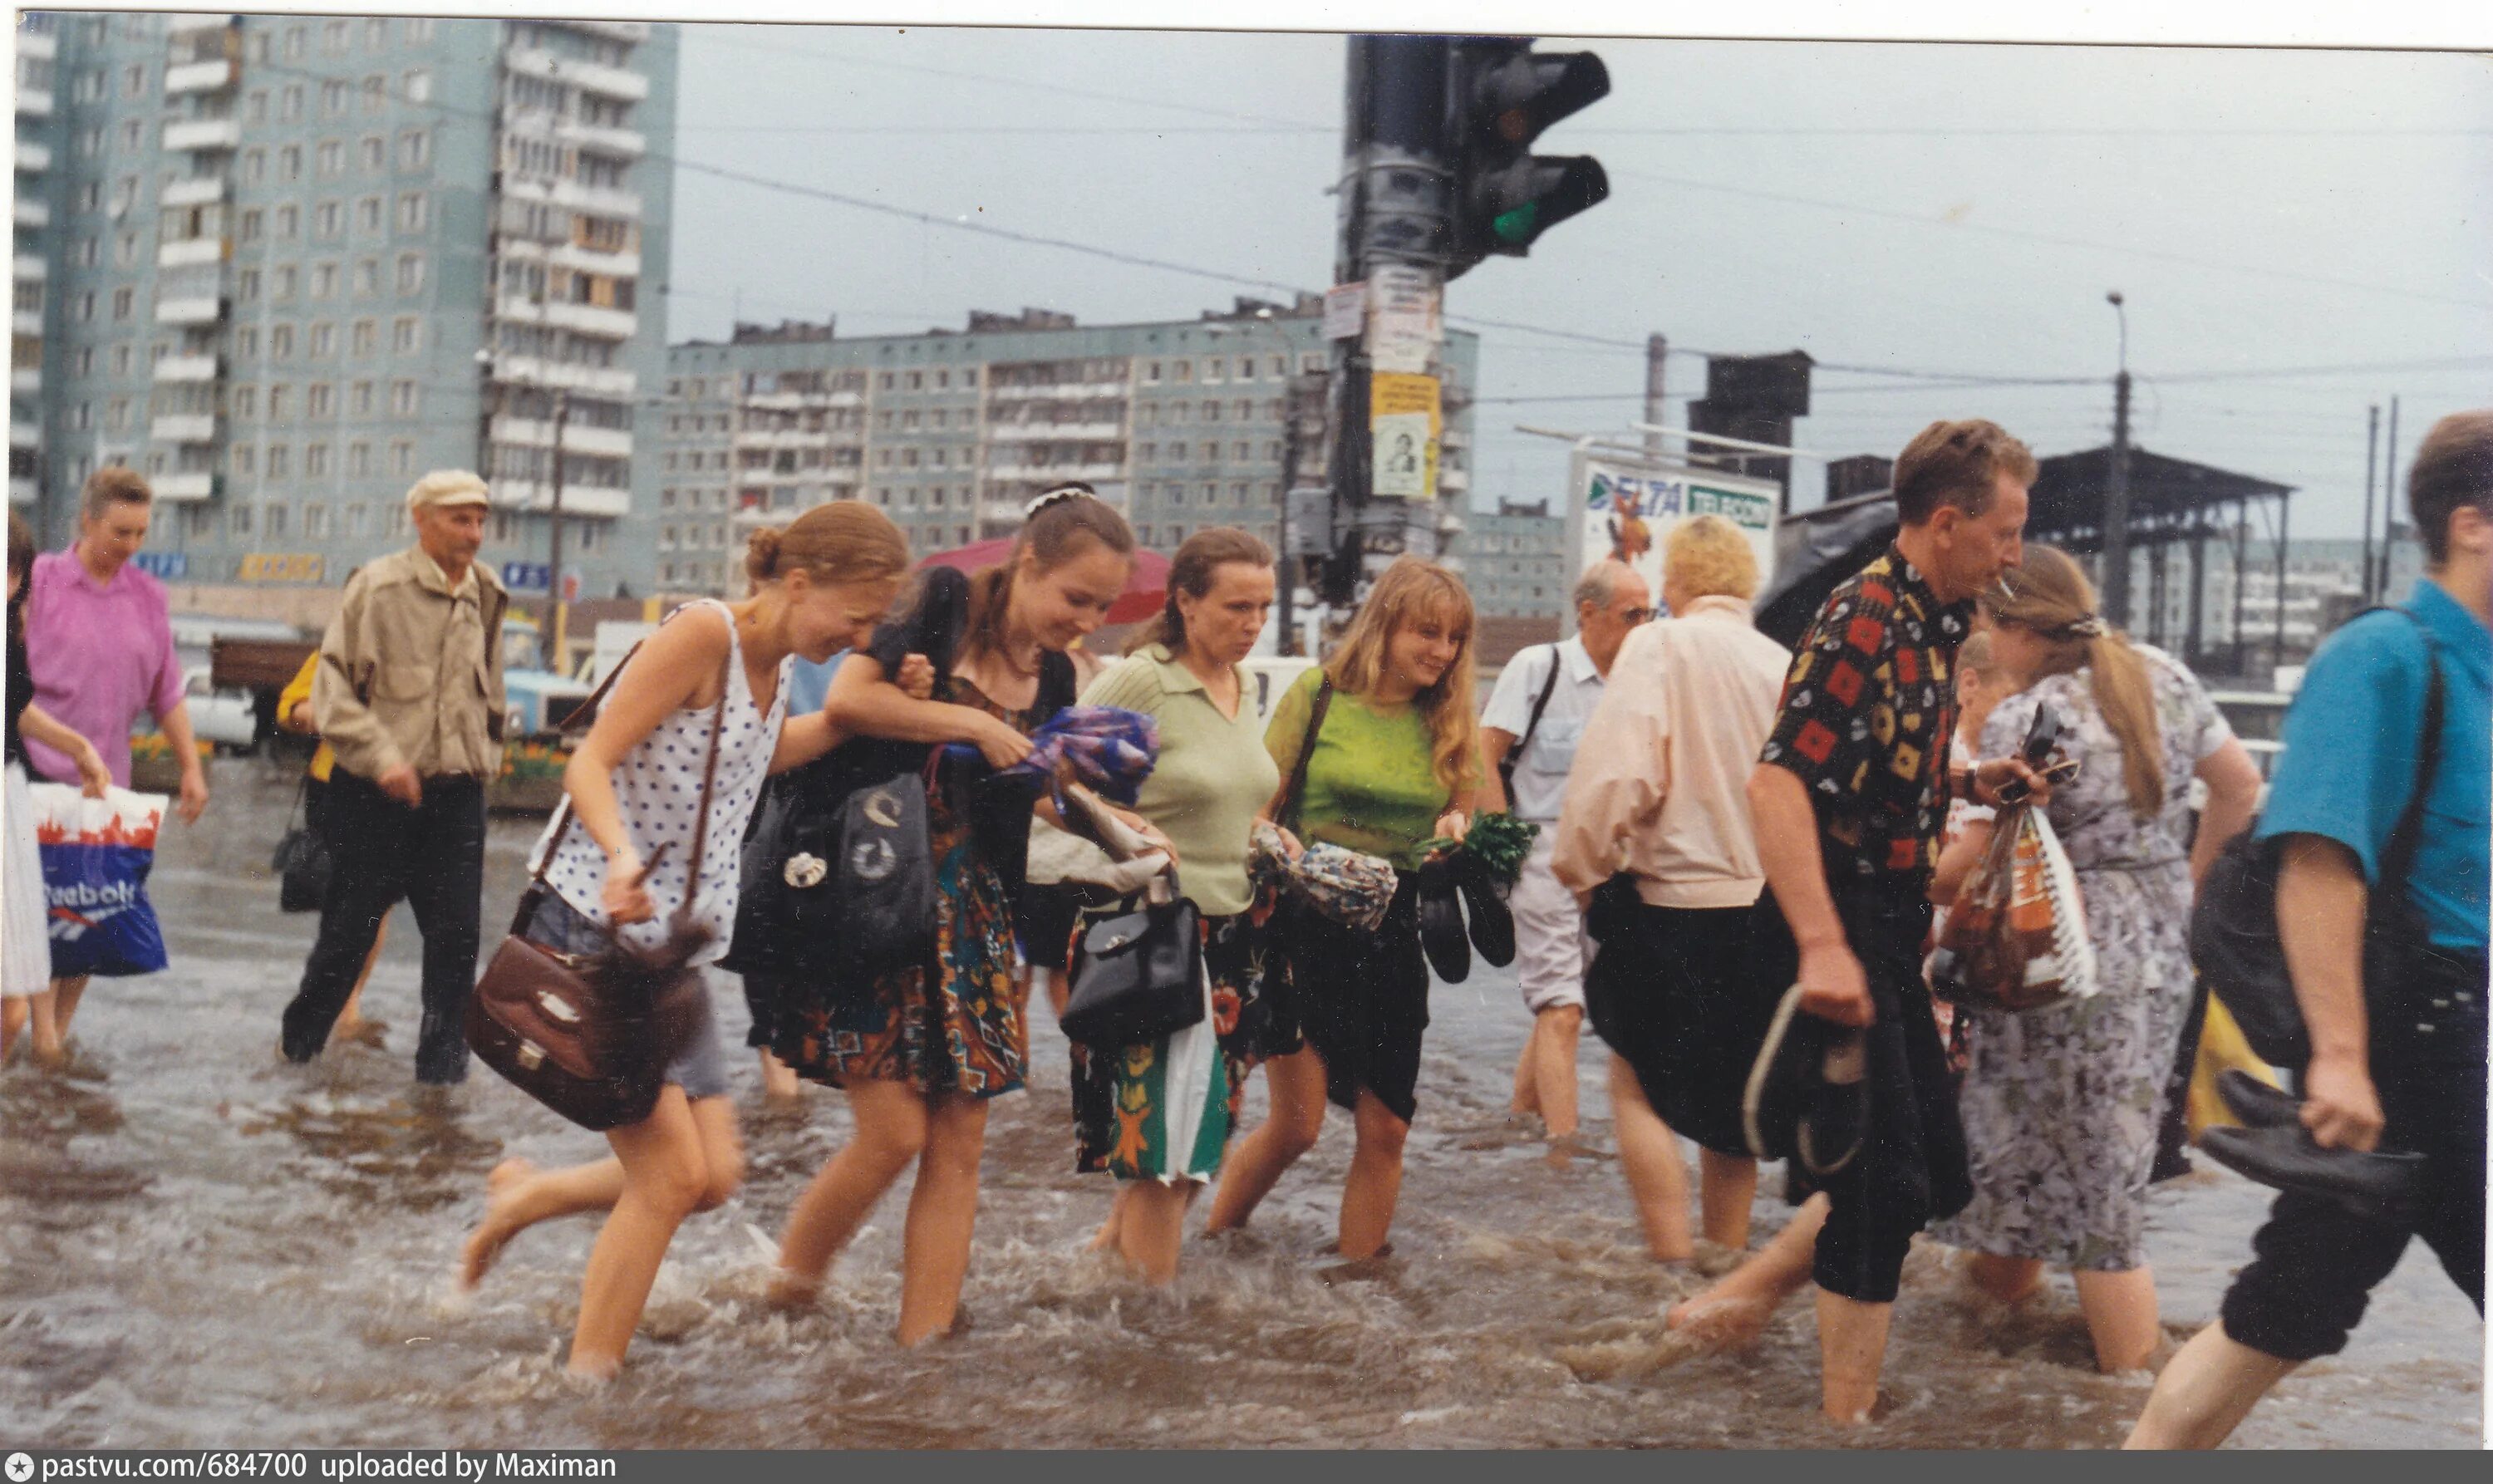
(1152,1226)
(2121,1316)
(891,1120)
(1734,1311)
(1657,1179)
(1851,1350)
(67,993)
(2206,1391)
(668,1173)
(779,1082)
(1107,1239)
(350,1024)
(1527,1086)
(1375,1182)
(1297,1084)
(1553,1066)
(15,1010)
(518,1194)
(943,1211)
(2003,1280)
(1729,1182)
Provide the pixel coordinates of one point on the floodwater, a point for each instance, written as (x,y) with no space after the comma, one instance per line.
(202,1247)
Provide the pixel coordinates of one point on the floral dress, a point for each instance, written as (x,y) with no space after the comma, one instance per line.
(2061,1105)
(953,1026)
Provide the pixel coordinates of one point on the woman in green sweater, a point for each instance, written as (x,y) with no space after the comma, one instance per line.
(1394,760)
(1157,1115)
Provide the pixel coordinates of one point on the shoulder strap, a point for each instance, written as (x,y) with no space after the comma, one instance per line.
(1506,765)
(1298,790)
(2397,860)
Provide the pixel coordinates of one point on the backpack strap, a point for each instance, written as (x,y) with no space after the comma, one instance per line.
(1296,795)
(1506,765)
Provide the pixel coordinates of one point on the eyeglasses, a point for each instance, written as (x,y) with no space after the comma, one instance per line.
(1636,616)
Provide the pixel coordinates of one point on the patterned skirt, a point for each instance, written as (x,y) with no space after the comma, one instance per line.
(951,1026)
(1164,1109)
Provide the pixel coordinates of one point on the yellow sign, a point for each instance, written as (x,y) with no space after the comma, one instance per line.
(279,567)
(1405,422)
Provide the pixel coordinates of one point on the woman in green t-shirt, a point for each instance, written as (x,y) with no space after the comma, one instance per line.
(1157,1115)
(1394,761)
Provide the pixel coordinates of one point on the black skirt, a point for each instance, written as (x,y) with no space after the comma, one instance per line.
(1684,995)
(1361,999)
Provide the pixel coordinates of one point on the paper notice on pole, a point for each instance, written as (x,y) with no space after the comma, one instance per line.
(1404,425)
(1404,325)
(1345,310)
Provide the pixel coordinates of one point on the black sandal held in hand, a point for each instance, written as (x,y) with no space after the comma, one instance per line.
(1493,925)
(1442,935)
(2276,1150)
(1808,1095)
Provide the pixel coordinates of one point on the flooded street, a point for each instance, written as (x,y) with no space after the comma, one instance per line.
(201,1246)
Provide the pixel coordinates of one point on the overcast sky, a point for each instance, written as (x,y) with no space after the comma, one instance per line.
(1920,208)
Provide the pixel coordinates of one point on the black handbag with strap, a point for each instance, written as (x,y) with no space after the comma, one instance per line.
(302,862)
(592,1036)
(1138,975)
(2234,937)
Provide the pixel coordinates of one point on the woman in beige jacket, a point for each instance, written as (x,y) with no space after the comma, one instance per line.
(1687,973)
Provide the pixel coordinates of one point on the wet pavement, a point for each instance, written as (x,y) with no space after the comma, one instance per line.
(201,1246)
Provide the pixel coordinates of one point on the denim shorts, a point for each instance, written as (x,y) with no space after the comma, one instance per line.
(700,1067)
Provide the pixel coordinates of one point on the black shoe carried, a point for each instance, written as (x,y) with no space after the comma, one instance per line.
(1780,1079)
(1442,935)
(1837,1115)
(2256,1104)
(2377,1187)
(1493,925)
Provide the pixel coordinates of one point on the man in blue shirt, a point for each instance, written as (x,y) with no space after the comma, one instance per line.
(2394,1064)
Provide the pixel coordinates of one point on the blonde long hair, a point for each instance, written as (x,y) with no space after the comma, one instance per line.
(1413,591)
(2050,598)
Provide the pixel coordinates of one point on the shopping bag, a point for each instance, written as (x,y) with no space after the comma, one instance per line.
(2016,935)
(97,853)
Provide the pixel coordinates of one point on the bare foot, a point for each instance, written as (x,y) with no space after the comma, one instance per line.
(485,1243)
(1721,1321)
(779,1081)
(792,1292)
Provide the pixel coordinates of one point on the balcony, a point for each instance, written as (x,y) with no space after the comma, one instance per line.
(603,139)
(25,434)
(34,158)
(34,103)
(199,76)
(191,253)
(597,200)
(41,46)
(1056,433)
(598,380)
(633,32)
(21,492)
(587,76)
(184,26)
(186,486)
(536,433)
(1453,481)
(577,499)
(1070,390)
(29,269)
(184,428)
(197,191)
(186,369)
(801,401)
(34,216)
(26,323)
(1050,473)
(200,310)
(25,382)
(594,321)
(203,134)
(613,265)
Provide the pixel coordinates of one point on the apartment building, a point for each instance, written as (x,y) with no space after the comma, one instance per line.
(1514,562)
(1179,423)
(295,260)
(30,269)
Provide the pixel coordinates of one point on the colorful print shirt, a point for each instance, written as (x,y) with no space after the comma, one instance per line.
(1868,713)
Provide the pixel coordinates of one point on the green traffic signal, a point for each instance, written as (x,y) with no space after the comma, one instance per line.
(1519,226)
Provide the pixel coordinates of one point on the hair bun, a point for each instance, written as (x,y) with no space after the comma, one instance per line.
(762,554)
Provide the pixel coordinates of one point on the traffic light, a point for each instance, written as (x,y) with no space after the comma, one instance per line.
(1505,196)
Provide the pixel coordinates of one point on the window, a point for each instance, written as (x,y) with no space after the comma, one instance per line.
(277,402)
(359,402)
(281,282)
(405,399)
(407,336)
(278,459)
(324,341)
(246,402)
(368,277)
(333,98)
(333,38)
(121,359)
(281,342)
(1214,368)
(329,221)
(414,150)
(1243,411)
(411,272)
(247,343)
(134,79)
(417,84)
(1183,371)
(289,223)
(368,215)
(325,280)
(359,459)
(316,517)
(239,519)
(315,465)
(122,300)
(246,459)
(376,33)
(254,167)
(375,93)
(402,459)
(373,152)
(417,29)
(329,160)
(411,212)
(1211,412)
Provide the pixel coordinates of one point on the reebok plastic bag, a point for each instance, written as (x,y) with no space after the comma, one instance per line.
(97,853)
(2016,935)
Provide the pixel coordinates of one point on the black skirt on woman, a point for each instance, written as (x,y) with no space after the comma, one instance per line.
(1361,999)
(1684,997)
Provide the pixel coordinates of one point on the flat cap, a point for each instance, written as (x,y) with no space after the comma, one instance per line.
(447,486)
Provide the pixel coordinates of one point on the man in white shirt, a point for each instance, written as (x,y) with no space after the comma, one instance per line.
(1529,732)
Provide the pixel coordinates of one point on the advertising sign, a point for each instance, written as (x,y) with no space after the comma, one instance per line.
(1404,325)
(1345,310)
(279,567)
(163,566)
(1622,508)
(526,577)
(1404,423)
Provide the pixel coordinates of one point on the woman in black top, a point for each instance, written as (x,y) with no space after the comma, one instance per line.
(920,1049)
(25,950)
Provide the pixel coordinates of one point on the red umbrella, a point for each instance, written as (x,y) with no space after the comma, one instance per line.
(1146,588)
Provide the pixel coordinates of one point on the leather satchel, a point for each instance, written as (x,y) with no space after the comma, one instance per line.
(302,862)
(590,1035)
(1139,976)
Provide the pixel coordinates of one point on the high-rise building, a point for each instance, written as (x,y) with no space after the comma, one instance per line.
(294,261)
(1514,562)
(1180,425)
(30,271)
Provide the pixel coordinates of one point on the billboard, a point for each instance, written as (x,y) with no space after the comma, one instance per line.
(1622,507)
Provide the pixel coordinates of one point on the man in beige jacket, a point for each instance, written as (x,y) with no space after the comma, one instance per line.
(409,694)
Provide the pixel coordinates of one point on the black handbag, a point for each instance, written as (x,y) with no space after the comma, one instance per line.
(1137,976)
(2234,938)
(302,862)
(881,896)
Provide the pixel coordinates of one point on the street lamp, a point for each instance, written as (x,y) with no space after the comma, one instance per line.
(2115,516)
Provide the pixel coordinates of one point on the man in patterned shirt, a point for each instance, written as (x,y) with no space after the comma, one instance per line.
(1848,796)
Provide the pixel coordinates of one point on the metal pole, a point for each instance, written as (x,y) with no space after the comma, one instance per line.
(2388,499)
(2241,568)
(2276,651)
(1657,348)
(2115,517)
(554,558)
(2371,457)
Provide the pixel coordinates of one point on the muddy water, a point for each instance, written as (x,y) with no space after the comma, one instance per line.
(201,1246)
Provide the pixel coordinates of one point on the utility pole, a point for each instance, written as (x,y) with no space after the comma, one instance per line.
(2115,516)
(2389,500)
(556,607)
(1657,348)
(2371,458)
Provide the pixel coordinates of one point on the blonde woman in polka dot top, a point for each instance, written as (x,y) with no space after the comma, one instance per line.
(635,784)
